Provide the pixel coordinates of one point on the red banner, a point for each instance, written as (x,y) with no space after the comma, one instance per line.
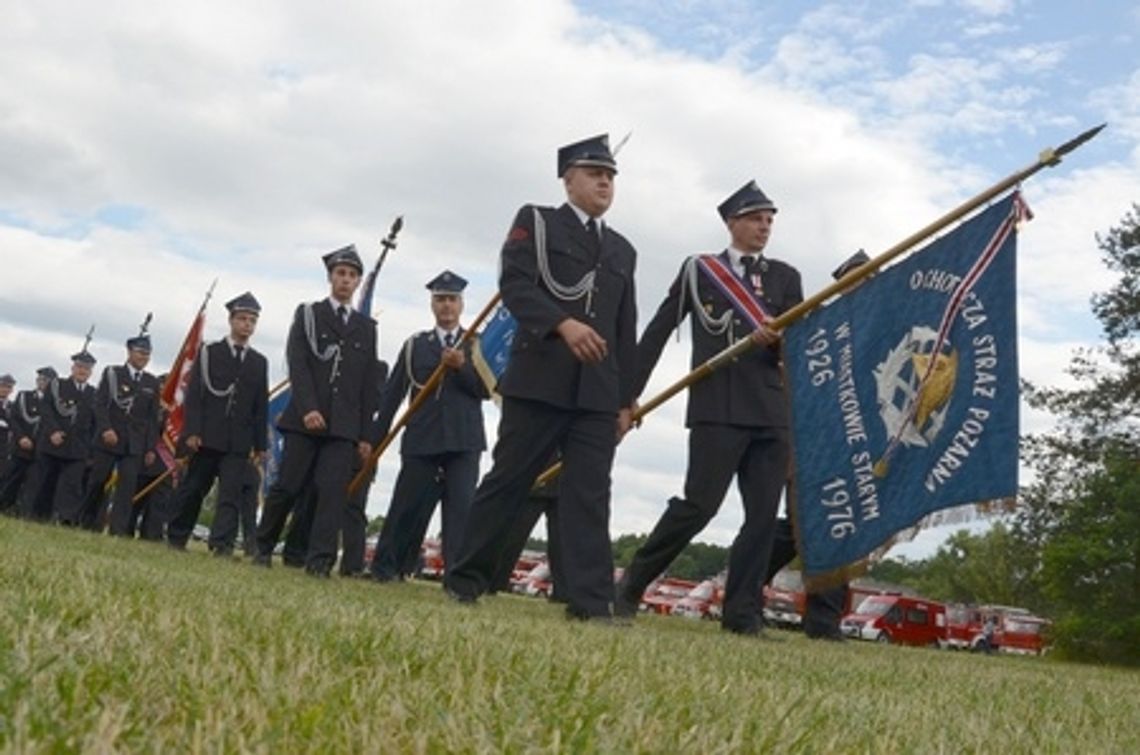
(174,389)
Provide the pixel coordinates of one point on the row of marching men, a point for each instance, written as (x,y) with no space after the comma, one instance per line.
(82,456)
(569,393)
(65,441)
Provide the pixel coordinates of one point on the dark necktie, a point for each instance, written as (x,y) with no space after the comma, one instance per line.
(342,311)
(449,340)
(753,267)
(136,375)
(239,351)
(592,227)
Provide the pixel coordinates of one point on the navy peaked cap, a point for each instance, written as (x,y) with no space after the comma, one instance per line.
(748,198)
(344,256)
(447,282)
(592,151)
(858,259)
(139,343)
(244,303)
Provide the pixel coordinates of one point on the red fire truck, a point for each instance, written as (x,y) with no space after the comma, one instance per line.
(785,600)
(1016,630)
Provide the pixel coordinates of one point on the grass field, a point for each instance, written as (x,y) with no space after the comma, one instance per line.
(110,645)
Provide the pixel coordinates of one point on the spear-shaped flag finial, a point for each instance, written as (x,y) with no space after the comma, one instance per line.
(1052,155)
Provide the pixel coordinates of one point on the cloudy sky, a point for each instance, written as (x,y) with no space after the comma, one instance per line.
(151,147)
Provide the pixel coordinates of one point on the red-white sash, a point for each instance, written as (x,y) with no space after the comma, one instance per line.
(742,299)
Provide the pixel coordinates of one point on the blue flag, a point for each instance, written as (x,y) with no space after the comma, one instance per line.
(277,404)
(905,393)
(492,350)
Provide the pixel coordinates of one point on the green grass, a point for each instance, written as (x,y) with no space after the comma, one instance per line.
(109,645)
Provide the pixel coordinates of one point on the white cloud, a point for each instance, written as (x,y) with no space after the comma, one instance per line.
(989,7)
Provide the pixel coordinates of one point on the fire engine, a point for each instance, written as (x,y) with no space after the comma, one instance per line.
(785,600)
(1016,631)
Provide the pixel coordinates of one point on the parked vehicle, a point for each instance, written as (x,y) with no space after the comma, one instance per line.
(1022,634)
(703,601)
(431,559)
(898,619)
(785,599)
(523,567)
(963,626)
(538,582)
(1016,630)
(664,593)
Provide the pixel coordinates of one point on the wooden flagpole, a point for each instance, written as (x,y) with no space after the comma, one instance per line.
(425,393)
(1048,158)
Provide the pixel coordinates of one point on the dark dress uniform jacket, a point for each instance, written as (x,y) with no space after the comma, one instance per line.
(542,367)
(237,423)
(24,415)
(747,393)
(449,421)
(79,429)
(315,383)
(136,426)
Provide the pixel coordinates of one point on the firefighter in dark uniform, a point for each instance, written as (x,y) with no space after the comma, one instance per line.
(152,511)
(67,429)
(25,418)
(225,416)
(442,441)
(126,433)
(568,279)
(7,383)
(331,353)
(737,416)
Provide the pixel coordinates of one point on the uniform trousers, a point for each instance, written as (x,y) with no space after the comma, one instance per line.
(530,432)
(12,481)
(152,512)
(354,525)
(58,490)
(234,511)
(206,466)
(102,464)
(758,457)
(328,462)
(419,485)
(538,504)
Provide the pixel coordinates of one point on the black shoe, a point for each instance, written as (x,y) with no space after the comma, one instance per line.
(318,571)
(262,559)
(461,598)
(625,607)
(223,552)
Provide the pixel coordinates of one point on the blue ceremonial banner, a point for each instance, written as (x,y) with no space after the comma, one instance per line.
(277,404)
(492,350)
(905,394)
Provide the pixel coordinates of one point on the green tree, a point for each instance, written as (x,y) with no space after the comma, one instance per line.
(1083,506)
